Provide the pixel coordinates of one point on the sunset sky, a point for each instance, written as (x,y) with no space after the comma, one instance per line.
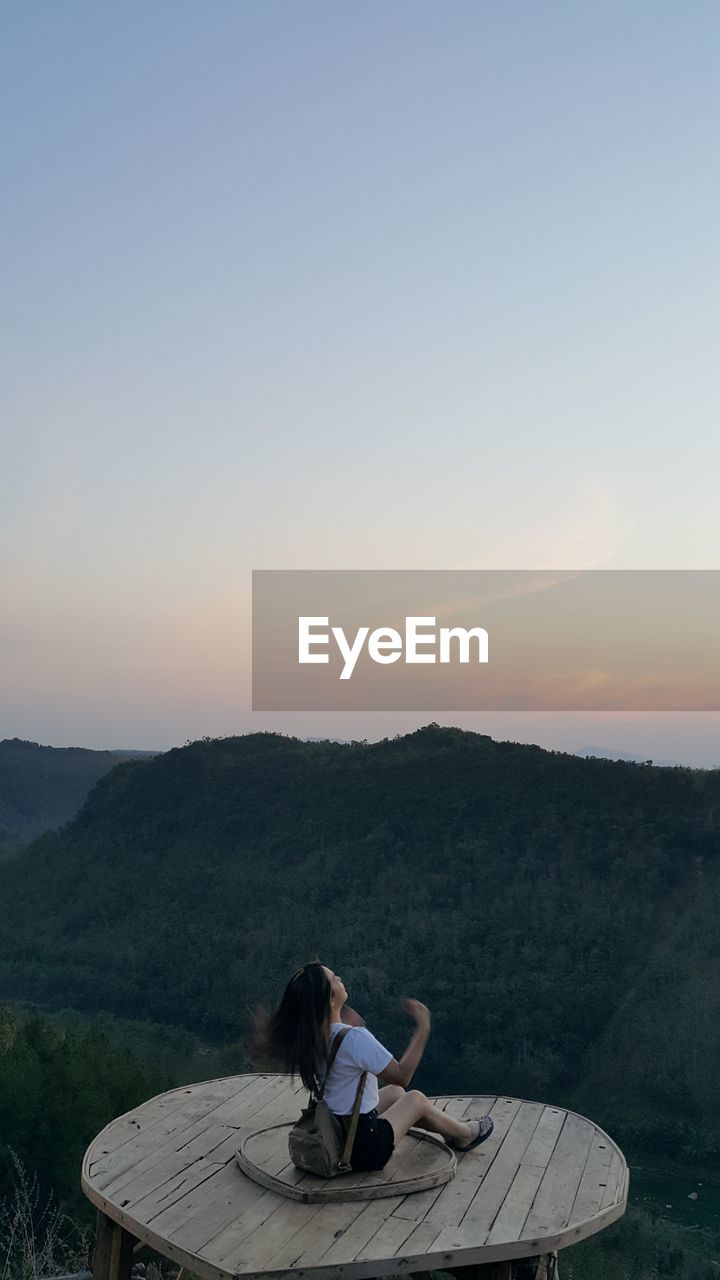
(306,285)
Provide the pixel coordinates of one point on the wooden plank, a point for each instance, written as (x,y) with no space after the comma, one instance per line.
(593,1184)
(510,1218)
(450,1208)
(174,1190)
(137,1184)
(185,1146)
(266,1143)
(265,1100)
(279,1100)
(219,1189)
(488,1199)
(337,1226)
(546,1137)
(552,1205)
(616,1175)
(352,1242)
(170,1250)
(420,1239)
(127,1127)
(388,1239)
(182,1181)
(415,1206)
(230,1193)
(313,1240)
(277,1158)
(105,1167)
(183,1149)
(270,1152)
(157,1190)
(288,1219)
(253,1215)
(415,1157)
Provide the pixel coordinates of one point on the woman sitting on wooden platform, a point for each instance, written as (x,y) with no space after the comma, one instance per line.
(312,1011)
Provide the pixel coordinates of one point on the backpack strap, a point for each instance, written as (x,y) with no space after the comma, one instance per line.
(344,1161)
(332,1054)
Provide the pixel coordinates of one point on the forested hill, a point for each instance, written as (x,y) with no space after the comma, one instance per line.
(558,915)
(43,787)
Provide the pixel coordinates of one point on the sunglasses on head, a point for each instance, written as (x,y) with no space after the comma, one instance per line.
(314,964)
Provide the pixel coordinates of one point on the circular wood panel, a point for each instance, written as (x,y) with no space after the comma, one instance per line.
(419,1162)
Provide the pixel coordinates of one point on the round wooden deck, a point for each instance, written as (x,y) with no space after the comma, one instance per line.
(166,1173)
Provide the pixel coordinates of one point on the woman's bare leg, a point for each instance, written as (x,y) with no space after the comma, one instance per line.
(415,1109)
(387,1095)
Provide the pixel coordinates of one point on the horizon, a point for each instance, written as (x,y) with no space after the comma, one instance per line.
(585,750)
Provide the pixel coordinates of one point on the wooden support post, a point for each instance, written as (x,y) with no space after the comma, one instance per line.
(484,1271)
(113,1251)
(538,1268)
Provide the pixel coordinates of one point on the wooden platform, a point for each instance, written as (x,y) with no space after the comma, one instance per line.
(166,1173)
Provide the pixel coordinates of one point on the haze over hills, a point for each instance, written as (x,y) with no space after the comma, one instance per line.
(43,787)
(558,915)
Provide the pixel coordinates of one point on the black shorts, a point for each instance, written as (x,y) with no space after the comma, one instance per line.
(374,1143)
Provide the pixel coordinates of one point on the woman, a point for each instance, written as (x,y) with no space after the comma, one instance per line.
(300,1032)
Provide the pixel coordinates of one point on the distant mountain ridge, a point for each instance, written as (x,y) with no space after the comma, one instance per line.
(43,787)
(560,916)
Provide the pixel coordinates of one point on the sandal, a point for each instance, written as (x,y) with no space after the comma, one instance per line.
(485,1127)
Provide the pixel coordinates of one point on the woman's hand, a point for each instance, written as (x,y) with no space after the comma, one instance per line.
(404,1070)
(419,1013)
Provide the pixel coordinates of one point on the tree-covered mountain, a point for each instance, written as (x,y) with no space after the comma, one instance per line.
(43,787)
(558,915)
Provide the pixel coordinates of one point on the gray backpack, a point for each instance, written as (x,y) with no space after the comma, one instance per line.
(319,1142)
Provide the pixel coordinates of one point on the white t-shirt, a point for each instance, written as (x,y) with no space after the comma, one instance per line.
(359,1052)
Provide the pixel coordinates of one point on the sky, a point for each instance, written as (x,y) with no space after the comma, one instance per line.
(305,285)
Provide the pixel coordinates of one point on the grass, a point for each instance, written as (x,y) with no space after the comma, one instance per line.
(36,1239)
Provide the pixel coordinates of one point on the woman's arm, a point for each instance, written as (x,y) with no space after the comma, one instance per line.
(403,1071)
(351,1018)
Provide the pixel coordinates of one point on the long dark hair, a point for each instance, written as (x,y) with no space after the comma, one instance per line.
(296,1035)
